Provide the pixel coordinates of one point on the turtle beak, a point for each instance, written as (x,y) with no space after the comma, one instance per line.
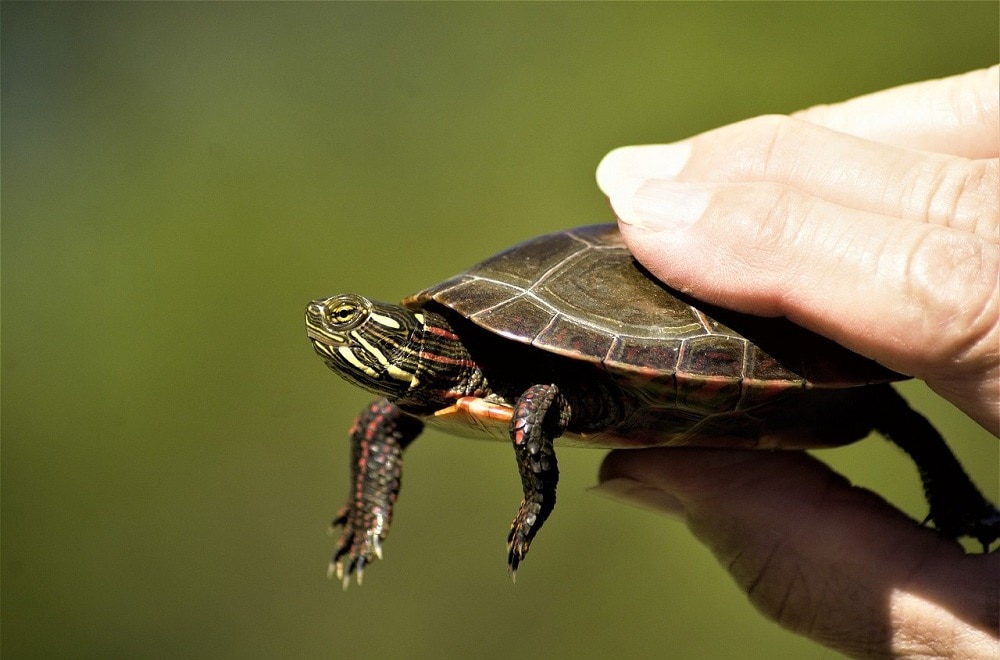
(315,312)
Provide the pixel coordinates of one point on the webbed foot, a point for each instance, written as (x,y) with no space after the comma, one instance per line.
(959,510)
(541,415)
(378,438)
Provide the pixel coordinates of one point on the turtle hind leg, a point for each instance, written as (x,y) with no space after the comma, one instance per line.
(379,435)
(957,508)
(541,415)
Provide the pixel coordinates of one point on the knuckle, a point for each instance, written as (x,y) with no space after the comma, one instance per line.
(768,218)
(952,277)
(771,124)
(771,131)
(963,195)
(770,237)
(785,205)
(754,144)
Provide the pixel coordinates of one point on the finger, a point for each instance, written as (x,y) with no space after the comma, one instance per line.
(839,168)
(821,557)
(956,115)
(920,299)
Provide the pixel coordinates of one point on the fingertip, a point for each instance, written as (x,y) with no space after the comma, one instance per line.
(641,478)
(619,170)
(610,171)
(636,493)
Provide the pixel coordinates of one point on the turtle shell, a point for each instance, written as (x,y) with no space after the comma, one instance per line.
(580,294)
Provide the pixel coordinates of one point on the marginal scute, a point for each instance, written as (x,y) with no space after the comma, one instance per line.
(761,366)
(723,356)
(567,337)
(643,355)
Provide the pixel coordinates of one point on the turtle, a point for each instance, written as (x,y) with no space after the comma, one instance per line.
(566,340)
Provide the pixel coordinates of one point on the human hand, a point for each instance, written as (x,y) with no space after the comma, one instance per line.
(825,560)
(879,233)
(873,222)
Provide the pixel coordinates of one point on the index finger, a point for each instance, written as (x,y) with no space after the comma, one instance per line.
(958,115)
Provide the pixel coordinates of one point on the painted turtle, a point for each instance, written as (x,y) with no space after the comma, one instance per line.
(566,338)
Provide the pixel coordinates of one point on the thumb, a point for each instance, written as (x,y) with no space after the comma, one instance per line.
(822,558)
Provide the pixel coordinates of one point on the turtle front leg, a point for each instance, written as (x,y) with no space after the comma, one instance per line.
(541,415)
(379,436)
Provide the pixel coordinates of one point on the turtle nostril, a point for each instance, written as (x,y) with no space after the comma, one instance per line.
(315,309)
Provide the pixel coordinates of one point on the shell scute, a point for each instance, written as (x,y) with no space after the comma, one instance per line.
(521,318)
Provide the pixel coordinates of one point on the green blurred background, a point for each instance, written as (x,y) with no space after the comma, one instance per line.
(179,179)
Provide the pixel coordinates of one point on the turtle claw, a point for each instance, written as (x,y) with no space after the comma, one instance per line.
(522,531)
(337,568)
(987,528)
(344,570)
(358,546)
(972,516)
(513,561)
(379,435)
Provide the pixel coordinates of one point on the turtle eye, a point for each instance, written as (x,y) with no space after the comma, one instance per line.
(345,312)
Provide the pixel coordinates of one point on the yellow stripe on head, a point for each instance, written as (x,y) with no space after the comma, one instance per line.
(387,321)
(349,355)
(391,369)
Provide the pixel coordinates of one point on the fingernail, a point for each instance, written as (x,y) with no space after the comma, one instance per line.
(625,165)
(659,205)
(636,493)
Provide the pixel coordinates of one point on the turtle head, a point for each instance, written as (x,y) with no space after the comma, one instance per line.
(366,342)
